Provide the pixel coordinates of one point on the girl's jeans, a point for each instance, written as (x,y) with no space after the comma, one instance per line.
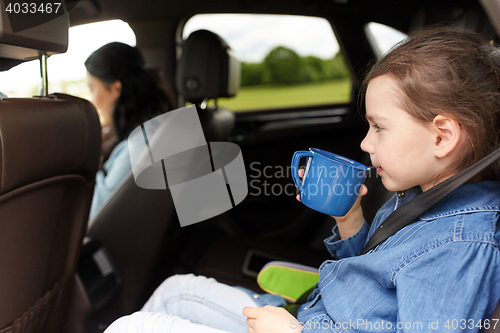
(188,304)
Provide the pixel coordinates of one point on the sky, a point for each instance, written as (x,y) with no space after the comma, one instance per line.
(251,37)
(83,40)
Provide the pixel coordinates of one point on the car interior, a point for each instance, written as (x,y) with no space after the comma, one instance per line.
(60,272)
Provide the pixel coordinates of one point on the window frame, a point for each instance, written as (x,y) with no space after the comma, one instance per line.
(329,112)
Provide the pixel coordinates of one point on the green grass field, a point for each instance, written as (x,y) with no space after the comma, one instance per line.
(269,97)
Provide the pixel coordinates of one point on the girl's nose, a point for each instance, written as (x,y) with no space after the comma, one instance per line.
(366,146)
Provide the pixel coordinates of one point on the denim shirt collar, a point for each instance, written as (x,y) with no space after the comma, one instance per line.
(399,199)
(403,197)
(468,198)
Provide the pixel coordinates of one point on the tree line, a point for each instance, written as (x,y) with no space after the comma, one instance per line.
(284,66)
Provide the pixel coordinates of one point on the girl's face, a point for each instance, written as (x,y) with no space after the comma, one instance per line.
(104,98)
(398,144)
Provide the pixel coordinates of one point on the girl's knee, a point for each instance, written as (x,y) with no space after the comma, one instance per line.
(177,286)
(186,283)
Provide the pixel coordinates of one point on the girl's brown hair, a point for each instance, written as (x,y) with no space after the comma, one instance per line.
(454,72)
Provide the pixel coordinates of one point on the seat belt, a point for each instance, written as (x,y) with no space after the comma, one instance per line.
(408,213)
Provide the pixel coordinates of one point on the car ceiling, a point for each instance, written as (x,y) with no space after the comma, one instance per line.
(395,13)
(155,21)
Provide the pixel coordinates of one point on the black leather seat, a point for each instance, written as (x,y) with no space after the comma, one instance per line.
(49,156)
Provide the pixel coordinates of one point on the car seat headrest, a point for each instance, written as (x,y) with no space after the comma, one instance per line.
(207,69)
(19,42)
(64,138)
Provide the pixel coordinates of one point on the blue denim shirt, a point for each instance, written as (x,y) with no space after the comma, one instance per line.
(117,167)
(115,171)
(439,274)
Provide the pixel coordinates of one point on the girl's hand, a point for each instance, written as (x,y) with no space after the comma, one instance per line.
(350,223)
(270,319)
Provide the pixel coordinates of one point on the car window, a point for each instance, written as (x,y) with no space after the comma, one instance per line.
(66,72)
(383,38)
(287,61)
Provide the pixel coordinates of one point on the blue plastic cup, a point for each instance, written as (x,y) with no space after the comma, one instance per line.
(330,183)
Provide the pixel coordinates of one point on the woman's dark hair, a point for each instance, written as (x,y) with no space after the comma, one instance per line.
(454,72)
(143,95)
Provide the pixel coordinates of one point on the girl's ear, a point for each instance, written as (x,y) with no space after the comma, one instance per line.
(448,133)
(116,88)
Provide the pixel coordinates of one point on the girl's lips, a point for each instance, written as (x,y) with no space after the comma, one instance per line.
(379,170)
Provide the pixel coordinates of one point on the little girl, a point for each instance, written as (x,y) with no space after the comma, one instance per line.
(433,109)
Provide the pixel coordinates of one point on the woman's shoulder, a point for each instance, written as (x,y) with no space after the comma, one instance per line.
(117,165)
(119,153)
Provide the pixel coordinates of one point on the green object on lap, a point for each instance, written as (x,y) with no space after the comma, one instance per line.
(289,280)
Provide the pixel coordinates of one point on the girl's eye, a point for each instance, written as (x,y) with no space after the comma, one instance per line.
(377,127)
